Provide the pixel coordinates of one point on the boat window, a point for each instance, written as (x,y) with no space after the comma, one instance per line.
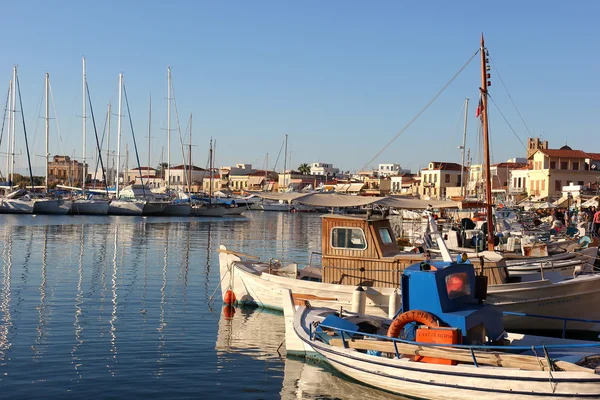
(457,285)
(385,236)
(348,238)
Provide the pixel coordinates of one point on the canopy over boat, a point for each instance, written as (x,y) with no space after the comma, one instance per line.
(339,200)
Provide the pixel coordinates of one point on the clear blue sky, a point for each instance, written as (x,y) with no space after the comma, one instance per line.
(340,77)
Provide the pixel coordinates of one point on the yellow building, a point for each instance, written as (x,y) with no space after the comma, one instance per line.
(551,169)
(437,177)
(65,171)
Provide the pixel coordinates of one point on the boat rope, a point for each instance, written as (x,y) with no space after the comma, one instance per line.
(550,368)
(101,145)
(62,147)
(509,96)
(87,90)
(506,120)
(220,285)
(24,130)
(137,156)
(4,120)
(422,110)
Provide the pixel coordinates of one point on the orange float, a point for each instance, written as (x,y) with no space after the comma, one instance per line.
(422,317)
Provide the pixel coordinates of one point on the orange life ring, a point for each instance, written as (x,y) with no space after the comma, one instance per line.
(422,317)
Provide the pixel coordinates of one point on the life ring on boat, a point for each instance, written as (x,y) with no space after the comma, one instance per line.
(422,317)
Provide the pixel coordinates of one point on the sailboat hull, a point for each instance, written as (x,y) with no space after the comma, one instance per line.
(177,210)
(52,206)
(154,208)
(16,206)
(208,211)
(89,207)
(119,207)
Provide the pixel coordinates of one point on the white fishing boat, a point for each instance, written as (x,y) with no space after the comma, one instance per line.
(444,344)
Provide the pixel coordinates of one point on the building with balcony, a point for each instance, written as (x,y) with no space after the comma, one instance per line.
(65,171)
(437,177)
(323,169)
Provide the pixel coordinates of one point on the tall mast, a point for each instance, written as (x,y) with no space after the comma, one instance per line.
(190,157)
(108,144)
(266,184)
(12,122)
(119,131)
(464,143)
(210,189)
(8,141)
(285,163)
(149,129)
(84,110)
(168,128)
(47,125)
(486,145)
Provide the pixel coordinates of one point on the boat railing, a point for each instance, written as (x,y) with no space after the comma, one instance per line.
(565,320)
(310,258)
(348,334)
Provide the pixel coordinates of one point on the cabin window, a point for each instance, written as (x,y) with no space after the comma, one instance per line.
(385,236)
(457,285)
(348,238)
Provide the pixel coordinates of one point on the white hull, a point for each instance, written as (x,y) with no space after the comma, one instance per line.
(16,206)
(457,382)
(177,210)
(52,206)
(555,268)
(89,207)
(573,298)
(123,207)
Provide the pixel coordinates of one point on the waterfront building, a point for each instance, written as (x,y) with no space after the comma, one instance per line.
(323,169)
(404,183)
(390,170)
(63,170)
(437,177)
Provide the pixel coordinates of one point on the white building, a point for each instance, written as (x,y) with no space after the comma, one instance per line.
(323,169)
(390,169)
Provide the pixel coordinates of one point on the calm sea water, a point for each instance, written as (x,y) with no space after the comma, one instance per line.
(122,307)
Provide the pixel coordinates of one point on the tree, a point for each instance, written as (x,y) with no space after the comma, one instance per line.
(304,169)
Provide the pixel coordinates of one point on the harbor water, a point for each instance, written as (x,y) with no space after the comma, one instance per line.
(130,307)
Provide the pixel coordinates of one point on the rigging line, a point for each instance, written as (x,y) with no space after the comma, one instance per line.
(180,138)
(5,111)
(101,144)
(137,156)
(62,148)
(37,121)
(510,97)
(278,154)
(508,123)
(87,89)
(423,109)
(24,130)
(460,114)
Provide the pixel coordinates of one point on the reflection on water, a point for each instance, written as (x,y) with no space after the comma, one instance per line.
(117,307)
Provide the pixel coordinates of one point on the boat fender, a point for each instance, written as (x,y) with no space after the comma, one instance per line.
(422,317)
(229,297)
(359,300)
(393,303)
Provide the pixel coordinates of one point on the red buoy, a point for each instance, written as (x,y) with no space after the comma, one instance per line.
(229,297)
(228,312)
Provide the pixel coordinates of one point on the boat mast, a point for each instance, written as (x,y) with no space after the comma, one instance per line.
(190,157)
(8,106)
(149,128)
(285,163)
(486,145)
(12,122)
(47,125)
(462,170)
(83,105)
(108,145)
(168,129)
(210,163)
(119,132)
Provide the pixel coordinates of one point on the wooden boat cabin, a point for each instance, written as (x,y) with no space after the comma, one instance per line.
(361,250)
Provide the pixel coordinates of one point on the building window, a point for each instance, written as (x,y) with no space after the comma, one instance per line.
(515,182)
(348,238)
(552,164)
(576,166)
(447,178)
(537,186)
(524,184)
(558,185)
(435,178)
(580,183)
(544,185)
(564,165)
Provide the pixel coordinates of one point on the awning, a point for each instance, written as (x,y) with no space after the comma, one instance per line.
(341,200)
(349,187)
(255,180)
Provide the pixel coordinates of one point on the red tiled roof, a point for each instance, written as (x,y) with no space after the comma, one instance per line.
(510,165)
(445,166)
(564,153)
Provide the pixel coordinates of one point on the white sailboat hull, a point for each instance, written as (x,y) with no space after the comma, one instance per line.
(208,211)
(16,206)
(121,207)
(89,207)
(234,210)
(154,208)
(52,206)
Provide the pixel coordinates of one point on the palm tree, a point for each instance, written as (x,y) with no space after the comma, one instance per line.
(304,169)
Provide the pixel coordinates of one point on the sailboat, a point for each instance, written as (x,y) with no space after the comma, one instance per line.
(210,209)
(87,205)
(174,208)
(123,205)
(47,205)
(19,201)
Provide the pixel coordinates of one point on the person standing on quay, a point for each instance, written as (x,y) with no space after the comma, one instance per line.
(596,223)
